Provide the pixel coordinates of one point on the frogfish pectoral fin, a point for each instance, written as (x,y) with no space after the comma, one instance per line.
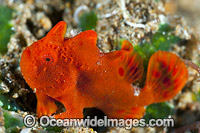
(45,105)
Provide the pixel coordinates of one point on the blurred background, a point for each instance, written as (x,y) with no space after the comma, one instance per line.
(189,9)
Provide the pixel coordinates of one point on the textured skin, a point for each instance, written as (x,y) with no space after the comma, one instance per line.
(74,72)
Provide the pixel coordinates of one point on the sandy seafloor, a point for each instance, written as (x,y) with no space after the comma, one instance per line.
(137,22)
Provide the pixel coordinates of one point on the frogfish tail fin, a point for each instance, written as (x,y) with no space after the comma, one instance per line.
(166,76)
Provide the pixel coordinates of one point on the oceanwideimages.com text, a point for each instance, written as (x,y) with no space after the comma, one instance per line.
(45,121)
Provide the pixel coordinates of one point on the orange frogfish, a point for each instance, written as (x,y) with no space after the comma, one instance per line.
(76,73)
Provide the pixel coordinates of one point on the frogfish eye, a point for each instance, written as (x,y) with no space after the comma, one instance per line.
(48,59)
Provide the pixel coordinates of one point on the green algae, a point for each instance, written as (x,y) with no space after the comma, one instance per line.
(54,129)
(5,26)
(163,39)
(196,96)
(159,111)
(12,121)
(88,20)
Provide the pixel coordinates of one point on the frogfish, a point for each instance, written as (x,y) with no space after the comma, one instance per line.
(74,72)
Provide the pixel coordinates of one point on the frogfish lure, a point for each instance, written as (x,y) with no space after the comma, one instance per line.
(74,72)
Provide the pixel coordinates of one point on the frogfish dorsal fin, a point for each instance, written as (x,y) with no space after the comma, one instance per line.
(130,64)
(126,45)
